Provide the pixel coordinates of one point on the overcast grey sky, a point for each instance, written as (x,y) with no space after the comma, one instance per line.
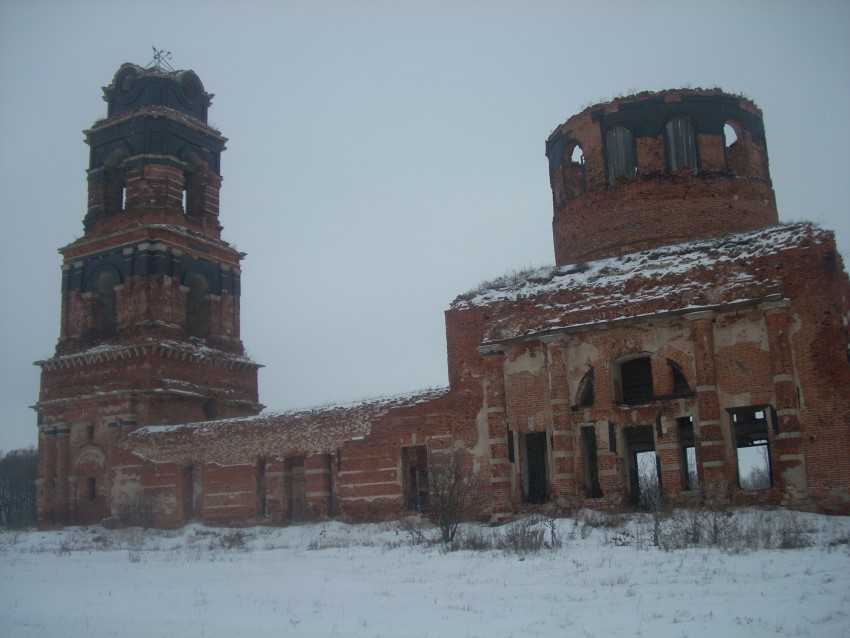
(384,157)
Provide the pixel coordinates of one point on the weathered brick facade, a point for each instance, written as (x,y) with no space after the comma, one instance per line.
(680,322)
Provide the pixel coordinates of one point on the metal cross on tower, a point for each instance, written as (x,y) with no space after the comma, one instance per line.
(160,61)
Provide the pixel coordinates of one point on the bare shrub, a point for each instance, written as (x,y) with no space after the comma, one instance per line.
(555,540)
(793,533)
(733,532)
(452,491)
(684,528)
(593,519)
(651,496)
(523,537)
(414,527)
(475,539)
(236,539)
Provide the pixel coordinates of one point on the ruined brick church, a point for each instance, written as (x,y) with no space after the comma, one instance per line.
(681,323)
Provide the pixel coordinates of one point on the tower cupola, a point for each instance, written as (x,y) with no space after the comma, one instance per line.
(154,159)
(657,168)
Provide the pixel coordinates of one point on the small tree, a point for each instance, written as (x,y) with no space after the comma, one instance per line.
(758,476)
(452,491)
(651,496)
(18,470)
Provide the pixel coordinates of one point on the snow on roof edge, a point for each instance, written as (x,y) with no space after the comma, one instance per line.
(378,404)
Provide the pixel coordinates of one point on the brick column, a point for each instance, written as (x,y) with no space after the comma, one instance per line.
(274,490)
(710,446)
(63,435)
(46,482)
(73,496)
(788,460)
(668,448)
(562,474)
(317,476)
(497,425)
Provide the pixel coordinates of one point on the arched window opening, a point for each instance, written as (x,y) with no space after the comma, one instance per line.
(681,144)
(636,380)
(730,136)
(115,181)
(574,176)
(195,179)
(211,411)
(620,156)
(680,383)
(586,394)
(114,191)
(193,188)
(103,308)
(737,153)
(197,307)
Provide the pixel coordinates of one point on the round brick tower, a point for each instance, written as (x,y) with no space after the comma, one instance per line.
(657,168)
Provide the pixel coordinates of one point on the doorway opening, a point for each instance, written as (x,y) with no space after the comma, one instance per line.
(295,489)
(535,470)
(643,466)
(415,472)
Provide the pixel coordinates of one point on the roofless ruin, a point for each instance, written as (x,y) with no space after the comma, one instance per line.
(684,337)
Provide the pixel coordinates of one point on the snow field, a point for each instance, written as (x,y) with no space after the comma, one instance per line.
(603,577)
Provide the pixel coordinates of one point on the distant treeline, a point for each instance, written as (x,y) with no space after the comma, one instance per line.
(18,470)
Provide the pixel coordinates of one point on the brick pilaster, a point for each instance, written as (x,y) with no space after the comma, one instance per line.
(708,434)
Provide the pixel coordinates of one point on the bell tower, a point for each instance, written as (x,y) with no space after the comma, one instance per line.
(150,294)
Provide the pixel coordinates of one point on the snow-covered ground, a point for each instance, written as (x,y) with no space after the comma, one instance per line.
(603,577)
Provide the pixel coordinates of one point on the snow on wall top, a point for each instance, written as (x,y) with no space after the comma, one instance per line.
(299,432)
(690,275)
(194,349)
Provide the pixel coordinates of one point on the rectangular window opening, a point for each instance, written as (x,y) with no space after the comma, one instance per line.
(91,488)
(295,489)
(636,379)
(535,467)
(752,446)
(194,488)
(332,503)
(591,462)
(415,468)
(262,505)
(690,480)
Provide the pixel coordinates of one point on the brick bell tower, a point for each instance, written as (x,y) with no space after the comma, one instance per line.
(150,296)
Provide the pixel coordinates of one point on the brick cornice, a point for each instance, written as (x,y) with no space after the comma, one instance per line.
(496,345)
(153,233)
(168,349)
